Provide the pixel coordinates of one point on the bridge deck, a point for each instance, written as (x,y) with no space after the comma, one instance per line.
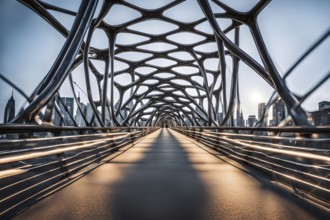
(168,176)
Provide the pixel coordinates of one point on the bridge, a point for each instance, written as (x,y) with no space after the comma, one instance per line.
(159,131)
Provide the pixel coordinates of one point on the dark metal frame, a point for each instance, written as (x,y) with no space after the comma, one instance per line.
(77,52)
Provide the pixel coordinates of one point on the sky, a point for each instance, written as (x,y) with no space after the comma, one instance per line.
(29,46)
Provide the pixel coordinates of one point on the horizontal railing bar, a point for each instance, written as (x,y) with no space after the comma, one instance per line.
(47,146)
(270,137)
(293,129)
(19,128)
(47,163)
(60,148)
(277,146)
(302,162)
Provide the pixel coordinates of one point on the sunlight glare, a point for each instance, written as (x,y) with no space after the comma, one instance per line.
(256,96)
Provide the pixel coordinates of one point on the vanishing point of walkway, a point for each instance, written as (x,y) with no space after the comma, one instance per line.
(169,176)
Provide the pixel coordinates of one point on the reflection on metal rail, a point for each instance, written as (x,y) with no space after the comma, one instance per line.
(297,156)
(32,168)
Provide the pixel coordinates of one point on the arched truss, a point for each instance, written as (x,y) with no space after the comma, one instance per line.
(163,86)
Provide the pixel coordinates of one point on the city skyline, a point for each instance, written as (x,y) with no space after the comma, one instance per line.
(277,113)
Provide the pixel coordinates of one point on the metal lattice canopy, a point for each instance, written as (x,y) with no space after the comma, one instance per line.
(165,77)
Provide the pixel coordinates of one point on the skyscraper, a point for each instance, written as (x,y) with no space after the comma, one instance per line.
(324,105)
(220,117)
(80,115)
(9,110)
(240,119)
(68,101)
(251,121)
(322,116)
(261,109)
(279,112)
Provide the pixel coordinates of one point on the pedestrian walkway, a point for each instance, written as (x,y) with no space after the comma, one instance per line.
(170,176)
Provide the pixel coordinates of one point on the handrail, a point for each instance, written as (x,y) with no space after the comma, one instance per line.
(31,168)
(24,128)
(299,129)
(296,156)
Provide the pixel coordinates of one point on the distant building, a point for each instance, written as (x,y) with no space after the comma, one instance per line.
(279,112)
(252,121)
(9,110)
(322,116)
(69,103)
(220,117)
(324,105)
(261,109)
(240,119)
(79,117)
(90,113)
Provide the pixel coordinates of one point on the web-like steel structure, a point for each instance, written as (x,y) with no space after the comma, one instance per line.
(154,69)
(166,79)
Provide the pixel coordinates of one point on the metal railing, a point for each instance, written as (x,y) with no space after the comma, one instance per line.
(296,156)
(33,167)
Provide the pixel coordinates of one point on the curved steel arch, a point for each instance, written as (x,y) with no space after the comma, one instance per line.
(179,98)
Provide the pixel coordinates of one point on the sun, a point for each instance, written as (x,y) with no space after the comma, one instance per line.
(256,96)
